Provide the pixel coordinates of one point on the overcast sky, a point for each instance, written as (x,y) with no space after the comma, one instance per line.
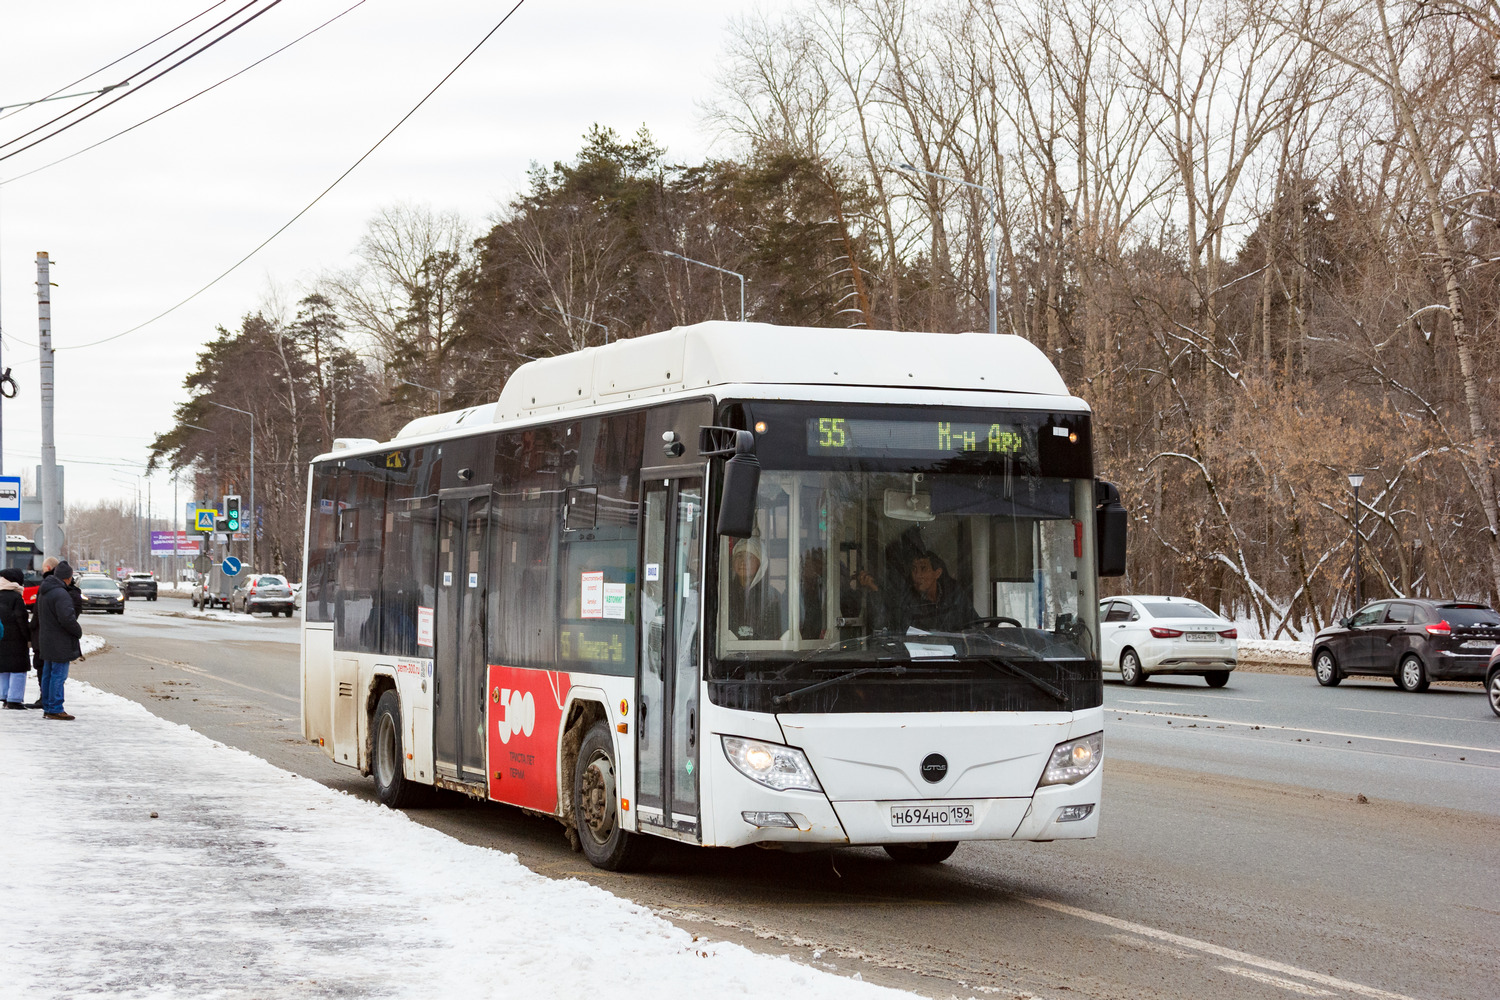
(142,222)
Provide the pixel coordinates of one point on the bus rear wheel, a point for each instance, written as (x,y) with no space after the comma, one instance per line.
(922,854)
(391,784)
(605,842)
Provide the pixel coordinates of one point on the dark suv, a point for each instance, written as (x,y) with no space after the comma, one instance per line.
(139,585)
(1412,641)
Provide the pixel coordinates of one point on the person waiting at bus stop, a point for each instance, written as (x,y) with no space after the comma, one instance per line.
(58,638)
(754,606)
(15,639)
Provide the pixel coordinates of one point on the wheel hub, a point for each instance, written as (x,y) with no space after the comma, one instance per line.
(385,752)
(597,798)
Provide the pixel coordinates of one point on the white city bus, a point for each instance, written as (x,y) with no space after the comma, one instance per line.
(728,584)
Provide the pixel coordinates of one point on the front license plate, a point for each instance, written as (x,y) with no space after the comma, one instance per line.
(1201,637)
(961,814)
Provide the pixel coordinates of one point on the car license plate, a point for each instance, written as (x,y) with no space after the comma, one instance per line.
(1484,644)
(1201,636)
(948,814)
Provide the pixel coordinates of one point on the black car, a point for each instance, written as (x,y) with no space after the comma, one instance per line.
(1411,641)
(100,593)
(139,585)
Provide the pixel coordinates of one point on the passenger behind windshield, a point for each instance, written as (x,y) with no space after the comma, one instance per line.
(754,606)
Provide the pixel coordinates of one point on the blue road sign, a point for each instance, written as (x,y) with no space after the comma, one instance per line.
(230,566)
(10,498)
(205,519)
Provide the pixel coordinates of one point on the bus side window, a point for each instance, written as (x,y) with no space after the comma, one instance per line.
(322,555)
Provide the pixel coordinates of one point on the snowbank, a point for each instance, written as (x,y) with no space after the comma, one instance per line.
(91,643)
(1276,652)
(161,864)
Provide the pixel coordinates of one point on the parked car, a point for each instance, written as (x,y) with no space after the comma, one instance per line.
(139,585)
(1413,642)
(263,592)
(100,593)
(1492,681)
(204,597)
(1142,636)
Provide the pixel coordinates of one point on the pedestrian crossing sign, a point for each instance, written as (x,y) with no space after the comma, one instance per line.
(206,519)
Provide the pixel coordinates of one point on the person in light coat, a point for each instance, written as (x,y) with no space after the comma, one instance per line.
(15,658)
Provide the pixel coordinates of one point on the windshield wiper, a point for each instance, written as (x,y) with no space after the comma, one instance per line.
(782,699)
(1005,666)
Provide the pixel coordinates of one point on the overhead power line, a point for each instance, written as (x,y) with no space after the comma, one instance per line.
(306,208)
(136,88)
(101,69)
(185,100)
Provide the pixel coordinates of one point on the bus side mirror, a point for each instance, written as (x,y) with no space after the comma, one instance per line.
(741,477)
(1110,528)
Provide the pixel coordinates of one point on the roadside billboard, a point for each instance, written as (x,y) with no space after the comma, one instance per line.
(161,543)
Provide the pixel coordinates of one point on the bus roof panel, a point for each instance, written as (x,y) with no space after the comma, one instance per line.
(718,353)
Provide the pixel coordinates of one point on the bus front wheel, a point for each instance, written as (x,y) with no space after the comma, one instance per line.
(596,805)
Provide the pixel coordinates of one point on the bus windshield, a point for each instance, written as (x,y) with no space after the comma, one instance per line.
(910,563)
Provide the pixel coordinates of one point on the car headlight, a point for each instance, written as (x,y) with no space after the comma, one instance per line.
(771,764)
(1074,760)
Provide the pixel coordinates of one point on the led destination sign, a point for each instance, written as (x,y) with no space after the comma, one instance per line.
(915,438)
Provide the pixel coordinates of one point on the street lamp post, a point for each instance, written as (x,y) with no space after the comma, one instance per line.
(253,518)
(429,388)
(725,270)
(994,231)
(1356,480)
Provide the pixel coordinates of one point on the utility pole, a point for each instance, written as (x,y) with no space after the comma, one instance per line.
(51,515)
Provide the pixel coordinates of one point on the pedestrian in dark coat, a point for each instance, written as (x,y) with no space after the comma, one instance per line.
(59,637)
(15,641)
(48,565)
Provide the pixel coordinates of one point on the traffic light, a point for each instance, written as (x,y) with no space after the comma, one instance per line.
(232,513)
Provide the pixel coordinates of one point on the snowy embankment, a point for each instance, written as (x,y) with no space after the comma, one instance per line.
(158,863)
(1275,653)
(90,644)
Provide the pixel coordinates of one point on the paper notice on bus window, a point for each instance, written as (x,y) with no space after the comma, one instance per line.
(592,604)
(614,600)
(424,627)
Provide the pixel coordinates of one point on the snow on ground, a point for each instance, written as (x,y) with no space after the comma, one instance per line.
(149,861)
(90,643)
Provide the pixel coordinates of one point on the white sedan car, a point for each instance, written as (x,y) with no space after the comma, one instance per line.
(1141,636)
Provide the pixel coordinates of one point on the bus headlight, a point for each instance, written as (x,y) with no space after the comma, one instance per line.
(771,764)
(1074,760)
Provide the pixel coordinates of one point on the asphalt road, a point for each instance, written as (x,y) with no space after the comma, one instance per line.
(1235,859)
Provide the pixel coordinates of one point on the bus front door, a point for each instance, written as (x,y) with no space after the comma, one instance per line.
(667,699)
(461,639)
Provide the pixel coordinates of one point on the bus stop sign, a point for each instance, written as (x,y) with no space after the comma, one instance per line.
(230,566)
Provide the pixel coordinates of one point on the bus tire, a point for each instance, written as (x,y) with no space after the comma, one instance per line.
(596,817)
(922,854)
(386,755)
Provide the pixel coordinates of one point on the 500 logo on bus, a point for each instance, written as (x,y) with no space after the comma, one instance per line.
(516,714)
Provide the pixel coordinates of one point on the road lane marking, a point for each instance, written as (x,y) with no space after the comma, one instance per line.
(1244,958)
(1173,703)
(1296,729)
(1286,984)
(213,677)
(1410,715)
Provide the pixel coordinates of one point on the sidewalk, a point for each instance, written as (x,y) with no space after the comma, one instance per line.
(145,860)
